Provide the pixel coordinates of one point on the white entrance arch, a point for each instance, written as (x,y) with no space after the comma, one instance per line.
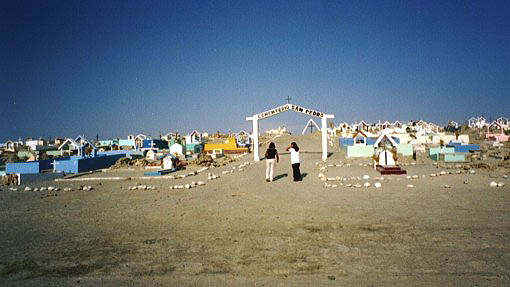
(289,107)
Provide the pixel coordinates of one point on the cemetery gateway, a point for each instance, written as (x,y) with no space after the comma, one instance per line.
(260,116)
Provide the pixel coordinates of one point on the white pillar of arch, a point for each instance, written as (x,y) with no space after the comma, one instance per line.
(324,124)
(255,137)
(324,138)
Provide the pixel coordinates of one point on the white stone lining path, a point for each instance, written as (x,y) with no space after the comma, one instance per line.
(323,168)
(211,176)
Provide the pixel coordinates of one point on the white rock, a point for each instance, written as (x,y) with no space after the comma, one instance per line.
(357,185)
(366,177)
(334,185)
(201,183)
(28,188)
(377,185)
(458,172)
(67,189)
(433,175)
(410,185)
(366,184)
(472,171)
(36,189)
(51,188)
(501,184)
(442,172)
(408,177)
(348,185)
(493,184)
(505,176)
(321,175)
(447,186)
(187,186)
(43,188)
(331,179)
(414,176)
(171,187)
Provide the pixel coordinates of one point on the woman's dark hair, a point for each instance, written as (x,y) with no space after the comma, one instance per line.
(294,146)
(272,146)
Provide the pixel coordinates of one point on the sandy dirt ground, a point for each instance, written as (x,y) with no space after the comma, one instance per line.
(239,230)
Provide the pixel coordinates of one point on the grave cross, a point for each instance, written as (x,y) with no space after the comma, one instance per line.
(288,99)
(54,163)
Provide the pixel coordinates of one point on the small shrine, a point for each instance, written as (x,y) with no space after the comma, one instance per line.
(385,156)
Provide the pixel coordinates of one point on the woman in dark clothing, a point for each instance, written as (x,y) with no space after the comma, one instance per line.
(294,160)
(271,155)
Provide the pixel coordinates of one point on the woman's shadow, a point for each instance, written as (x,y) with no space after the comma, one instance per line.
(280,176)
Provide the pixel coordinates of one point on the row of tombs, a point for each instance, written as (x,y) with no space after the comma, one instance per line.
(362,146)
(90,159)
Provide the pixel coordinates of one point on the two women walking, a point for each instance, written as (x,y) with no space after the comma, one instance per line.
(272,155)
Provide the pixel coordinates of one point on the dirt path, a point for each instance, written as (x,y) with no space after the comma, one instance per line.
(239,230)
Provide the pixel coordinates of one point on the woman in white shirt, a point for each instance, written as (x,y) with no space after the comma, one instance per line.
(294,160)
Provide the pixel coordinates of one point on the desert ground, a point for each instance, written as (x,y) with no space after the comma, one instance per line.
(240,230)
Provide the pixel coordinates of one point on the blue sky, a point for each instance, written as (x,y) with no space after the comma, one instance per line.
(114,68)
